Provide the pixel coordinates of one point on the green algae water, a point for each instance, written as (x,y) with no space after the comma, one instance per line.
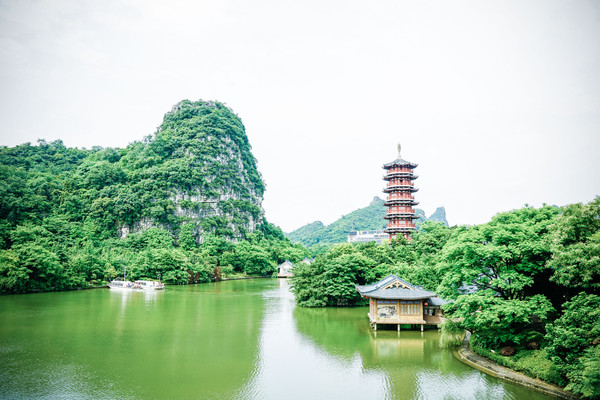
(227,340)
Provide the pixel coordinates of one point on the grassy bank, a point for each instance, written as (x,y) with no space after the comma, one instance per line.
(533,363)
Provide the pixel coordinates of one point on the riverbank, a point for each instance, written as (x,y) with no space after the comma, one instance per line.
(469,357)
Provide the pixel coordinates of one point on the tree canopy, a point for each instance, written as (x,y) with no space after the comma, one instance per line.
(181,203)
(528,279)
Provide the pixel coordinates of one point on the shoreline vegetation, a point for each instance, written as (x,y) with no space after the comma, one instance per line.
(469,356)
(104,284)
(526,285)
(185,204)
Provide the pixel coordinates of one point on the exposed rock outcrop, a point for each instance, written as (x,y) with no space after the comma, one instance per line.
(200,165)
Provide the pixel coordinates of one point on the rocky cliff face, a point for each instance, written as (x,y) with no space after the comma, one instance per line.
(201,170)
(439,215)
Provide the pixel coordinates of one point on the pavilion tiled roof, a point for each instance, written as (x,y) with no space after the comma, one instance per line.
(436,301)
(413,292)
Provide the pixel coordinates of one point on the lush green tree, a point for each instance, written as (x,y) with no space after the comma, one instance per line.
(171,264)
(504,256)
(497,275)
(429,241)
(576,250)
(201,266)
(331,278)
(308,284)
(86,266)
(250,258)
(403,251)
(380,254)
(282,250)
(14,277)
(187,239)
(42,267)
(498,321)
(426,275)
(585,378)
(574,343)
(215,245)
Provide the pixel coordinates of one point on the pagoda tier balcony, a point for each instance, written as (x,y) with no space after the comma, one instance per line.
(399,229)
(399,182)
(404,202)
(399,215)
(400,175)
(400,188)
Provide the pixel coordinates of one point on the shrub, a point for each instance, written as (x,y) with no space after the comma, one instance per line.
(533,363)
(452,334)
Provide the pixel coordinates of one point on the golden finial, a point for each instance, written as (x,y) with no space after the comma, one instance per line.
(399,147)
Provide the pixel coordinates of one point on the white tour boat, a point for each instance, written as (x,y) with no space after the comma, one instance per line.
(136,285)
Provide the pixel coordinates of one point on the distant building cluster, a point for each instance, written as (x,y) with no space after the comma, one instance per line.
(377,236)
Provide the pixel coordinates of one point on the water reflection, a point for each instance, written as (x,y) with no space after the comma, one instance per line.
(408,364)
(185,342)
(293,368)
(147,296)
(228,340)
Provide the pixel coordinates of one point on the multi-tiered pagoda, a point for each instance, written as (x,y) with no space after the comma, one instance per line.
(400,200)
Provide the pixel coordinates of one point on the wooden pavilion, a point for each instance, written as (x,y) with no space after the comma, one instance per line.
(394,301)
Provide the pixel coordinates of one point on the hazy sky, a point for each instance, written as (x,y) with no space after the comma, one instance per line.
(497,101)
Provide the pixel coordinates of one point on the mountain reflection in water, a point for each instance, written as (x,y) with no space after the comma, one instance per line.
(228,340)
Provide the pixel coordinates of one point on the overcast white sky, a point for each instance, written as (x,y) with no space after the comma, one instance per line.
(498,101)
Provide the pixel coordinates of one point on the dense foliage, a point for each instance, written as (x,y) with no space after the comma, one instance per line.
(316,235)
(330,279)
(574,344)
(529,279)
(184,204)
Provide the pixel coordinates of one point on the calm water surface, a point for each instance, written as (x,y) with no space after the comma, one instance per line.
(228,340)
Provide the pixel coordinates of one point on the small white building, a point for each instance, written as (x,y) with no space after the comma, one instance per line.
(377,236)
(284,270)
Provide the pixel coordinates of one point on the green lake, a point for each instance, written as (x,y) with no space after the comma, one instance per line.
(229,340)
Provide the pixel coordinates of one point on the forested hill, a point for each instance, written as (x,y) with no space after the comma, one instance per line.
(70,216)
(363,219)
(198,167)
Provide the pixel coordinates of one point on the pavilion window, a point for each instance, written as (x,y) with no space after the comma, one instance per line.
(408,307)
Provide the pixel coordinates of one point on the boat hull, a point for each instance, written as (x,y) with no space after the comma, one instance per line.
(137,285)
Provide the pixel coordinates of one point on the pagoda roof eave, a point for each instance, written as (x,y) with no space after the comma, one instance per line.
(400,162)
(397,175)
(403,188)
(401,216)
(400,229)
(396,201)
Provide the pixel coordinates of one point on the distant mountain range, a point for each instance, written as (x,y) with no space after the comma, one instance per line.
(363,219)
